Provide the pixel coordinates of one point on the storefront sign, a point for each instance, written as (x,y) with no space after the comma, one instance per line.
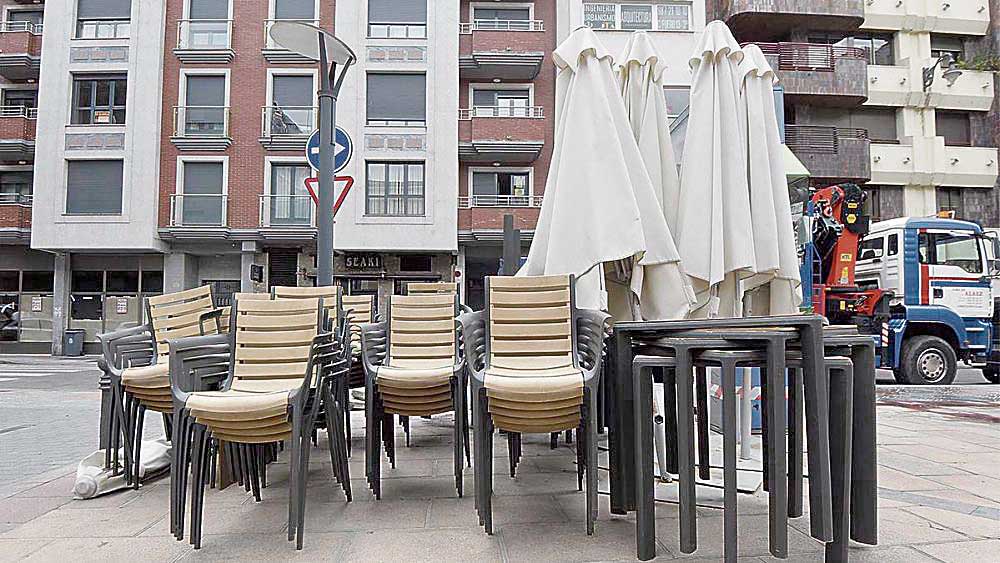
(363,261)
(637,16)
(36,304)
(599,16)
(121,306)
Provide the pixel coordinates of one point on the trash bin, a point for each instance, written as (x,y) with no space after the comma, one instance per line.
(73,342)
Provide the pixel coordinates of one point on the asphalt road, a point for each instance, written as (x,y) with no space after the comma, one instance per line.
(966,376)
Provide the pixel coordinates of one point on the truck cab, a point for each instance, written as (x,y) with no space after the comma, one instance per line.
(936,273)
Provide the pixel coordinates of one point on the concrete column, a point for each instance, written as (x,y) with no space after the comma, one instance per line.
(179,272)
(62,274)
(921,201)
(248,253)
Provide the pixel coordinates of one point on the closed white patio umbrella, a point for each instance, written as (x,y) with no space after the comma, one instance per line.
(599,205)
(714,228)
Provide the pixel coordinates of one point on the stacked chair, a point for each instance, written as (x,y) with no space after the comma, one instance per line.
(141,382)
(535,361)
(412,368)
(358,310)
(277,361)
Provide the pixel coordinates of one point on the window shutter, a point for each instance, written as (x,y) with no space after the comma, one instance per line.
(202,177)
(94,187)
(396,97)
(104,9)
(484,183)
(484,98)
(208,10)
(397,11)
(294,9)
(292,91)
(206,91)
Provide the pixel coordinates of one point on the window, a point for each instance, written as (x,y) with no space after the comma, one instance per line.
(502,19)
(416,263)
(94,187)
(893,245)
(85,298)
(20,98)
(103,19)
(99,100)
(15,183)
(397,19)
(941,44)
(948,249)
(34,17)
(396,99)
(870,249)
(123,281)
(950,199)
(152,281)
(204,113)
(292,111)
(295,10)
(290,201)
(501,189)
(394,189)
(954,127)
(207,26)
(37,282)
(872,204)
(880,124)
(203,202)
(668,16)
(678,99)
(501,103)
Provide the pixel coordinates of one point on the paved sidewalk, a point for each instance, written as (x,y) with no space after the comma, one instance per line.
(939,501)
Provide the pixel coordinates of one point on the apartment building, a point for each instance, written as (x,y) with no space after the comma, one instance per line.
(858,108)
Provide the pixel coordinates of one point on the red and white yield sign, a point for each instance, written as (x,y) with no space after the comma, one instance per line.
(312,184)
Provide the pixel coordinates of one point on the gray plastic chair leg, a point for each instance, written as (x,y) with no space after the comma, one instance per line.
(729,430)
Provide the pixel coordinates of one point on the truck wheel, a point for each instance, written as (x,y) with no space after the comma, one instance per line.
(929,360)
(991,374)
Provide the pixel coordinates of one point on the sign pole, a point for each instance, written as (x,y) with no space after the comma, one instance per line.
(327,128)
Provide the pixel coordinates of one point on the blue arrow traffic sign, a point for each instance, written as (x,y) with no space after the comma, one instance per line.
(343,150)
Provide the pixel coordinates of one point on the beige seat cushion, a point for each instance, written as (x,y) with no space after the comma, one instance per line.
(237,405)
(156,375)
(414,378)
(266,385)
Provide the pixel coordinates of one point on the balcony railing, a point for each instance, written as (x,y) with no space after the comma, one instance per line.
(810,56)
(201,121)
(15,27)
(204,34)
(16,199)
(820,139)
(268,43)
(103,29)
(501,25)
(198,210)
(468,202)
(527,112)
(18,111)
(286,211)
(288,120)
(416,30)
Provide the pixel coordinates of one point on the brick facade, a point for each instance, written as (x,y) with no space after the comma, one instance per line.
(17,128)
(20,43)
(15,216)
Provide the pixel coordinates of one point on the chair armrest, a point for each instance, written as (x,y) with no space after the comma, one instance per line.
(592,329)
(374,337)
(472,336)
(127,347)
(213,315)
(199,363)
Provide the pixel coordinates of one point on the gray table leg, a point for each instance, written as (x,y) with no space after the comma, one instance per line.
(795,443)
(685,452)
(841,414)
(776,460)
(864,467)
(701,395)
(621,453)
(729,431)
(817,408)
(645,522)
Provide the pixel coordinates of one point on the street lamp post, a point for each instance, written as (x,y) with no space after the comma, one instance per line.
(312,42)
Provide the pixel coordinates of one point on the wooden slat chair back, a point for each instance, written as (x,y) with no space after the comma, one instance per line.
(329,294)
(421,356)
(418,288)
(176,315)
(360,309)
(271,342)
(532,378)
(227,311)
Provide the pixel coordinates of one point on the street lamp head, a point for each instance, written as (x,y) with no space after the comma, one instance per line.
(951,74)
(303,39)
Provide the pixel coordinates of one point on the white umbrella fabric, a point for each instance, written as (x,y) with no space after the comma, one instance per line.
(599,205)
(640,75)
(714,229)
(776,289)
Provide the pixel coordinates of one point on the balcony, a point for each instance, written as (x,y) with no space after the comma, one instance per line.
(960,17)
(928,162)
(765,19)
(197,217)
(201,128)
(469,202)
(20,51)
(504,49)
(287,218)
(17,133)
(827,73)
(831,153)
(899,86)
(274,53)
(500,134)
(287,128)
(204,41)
(15,218)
